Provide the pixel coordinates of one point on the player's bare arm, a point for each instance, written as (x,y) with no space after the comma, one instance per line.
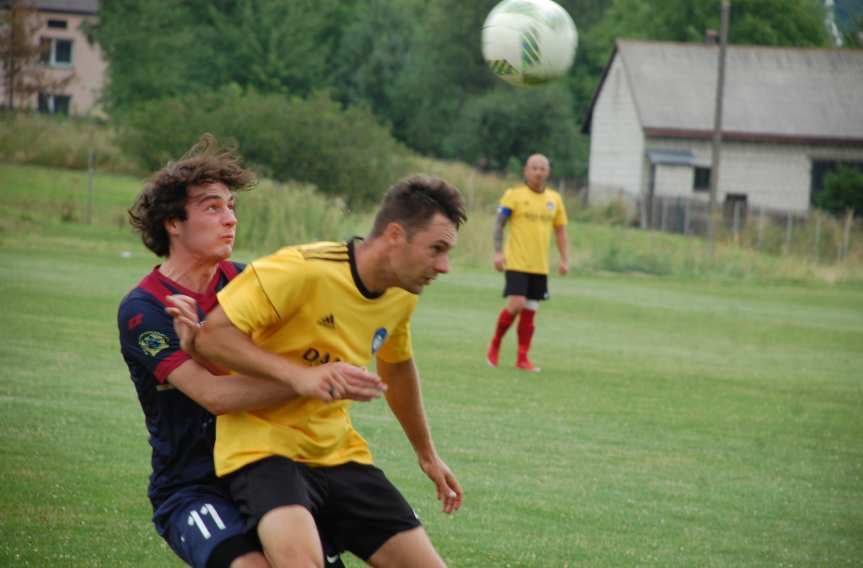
(499,223)
(562,248)
(219,341)
(405,400)
(221,394)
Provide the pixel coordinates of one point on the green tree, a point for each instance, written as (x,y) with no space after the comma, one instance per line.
(162,48)
(343,152)
(843,190)
(373,52)
(272,45)
(150,47)
(506,125)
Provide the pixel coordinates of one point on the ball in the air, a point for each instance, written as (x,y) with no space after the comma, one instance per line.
(529,42)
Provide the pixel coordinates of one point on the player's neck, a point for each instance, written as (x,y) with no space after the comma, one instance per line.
(192,273)
(535,190)
(372,267)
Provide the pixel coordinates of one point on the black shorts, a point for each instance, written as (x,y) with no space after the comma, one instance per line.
(355,506)
(532,286)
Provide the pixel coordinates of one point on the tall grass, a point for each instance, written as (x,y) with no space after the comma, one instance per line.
(276,214)
(61,143)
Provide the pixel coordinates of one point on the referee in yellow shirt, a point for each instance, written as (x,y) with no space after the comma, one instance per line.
(532,210)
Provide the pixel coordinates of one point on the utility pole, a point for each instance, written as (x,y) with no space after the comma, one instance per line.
(717,127)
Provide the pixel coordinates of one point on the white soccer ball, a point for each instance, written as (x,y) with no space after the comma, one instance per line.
(529,42)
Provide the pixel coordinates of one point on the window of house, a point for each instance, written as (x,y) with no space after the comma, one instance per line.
(58,24)
(56,51)
(54,104)
(701,180)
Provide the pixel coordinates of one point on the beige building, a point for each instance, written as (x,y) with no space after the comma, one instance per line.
(789,115)
(68,53)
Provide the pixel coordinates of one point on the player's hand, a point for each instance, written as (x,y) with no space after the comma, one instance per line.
(448,490)
(337,381)
(499,261)
(186,324)
(563,268)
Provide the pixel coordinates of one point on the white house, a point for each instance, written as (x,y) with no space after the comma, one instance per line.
(789,115)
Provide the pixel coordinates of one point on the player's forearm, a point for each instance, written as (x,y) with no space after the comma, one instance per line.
(230,348)
(238,393)
(562,243)
(405,400)
(497,236)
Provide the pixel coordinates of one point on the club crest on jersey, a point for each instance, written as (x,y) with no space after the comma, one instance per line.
(153,342)
(550,205)
(378,339)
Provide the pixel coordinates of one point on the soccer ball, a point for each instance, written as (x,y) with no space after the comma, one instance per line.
(529,42)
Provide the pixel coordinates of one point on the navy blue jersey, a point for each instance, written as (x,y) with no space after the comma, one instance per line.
(181,431)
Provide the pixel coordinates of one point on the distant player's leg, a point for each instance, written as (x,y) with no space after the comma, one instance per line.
(514,292)
(526,328)
(537,290)
(207,530)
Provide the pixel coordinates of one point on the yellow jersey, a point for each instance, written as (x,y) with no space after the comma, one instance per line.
(307,303)
(531,218)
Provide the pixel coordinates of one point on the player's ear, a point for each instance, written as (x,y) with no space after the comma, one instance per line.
(394,232)
(171,226)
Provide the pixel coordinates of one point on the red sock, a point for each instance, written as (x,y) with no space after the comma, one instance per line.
(525,332)
(504,320)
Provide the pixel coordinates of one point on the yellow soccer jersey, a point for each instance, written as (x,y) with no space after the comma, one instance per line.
(308,304)
(531,218)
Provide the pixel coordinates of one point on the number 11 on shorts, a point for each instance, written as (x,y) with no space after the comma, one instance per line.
(196,519)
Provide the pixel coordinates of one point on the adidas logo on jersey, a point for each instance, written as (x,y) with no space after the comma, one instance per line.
(328,321)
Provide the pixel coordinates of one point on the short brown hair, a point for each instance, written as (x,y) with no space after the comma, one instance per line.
(414,200)
(164,196)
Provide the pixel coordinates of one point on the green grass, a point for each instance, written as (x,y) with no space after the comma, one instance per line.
(678,421)
(673,424)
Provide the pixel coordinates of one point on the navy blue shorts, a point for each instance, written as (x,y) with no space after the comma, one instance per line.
(527,284)
(205,528)
(355,506)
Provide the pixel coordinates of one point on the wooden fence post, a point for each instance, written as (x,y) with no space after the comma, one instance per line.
(846,237)
(736,223)
(761,221)
(817,233)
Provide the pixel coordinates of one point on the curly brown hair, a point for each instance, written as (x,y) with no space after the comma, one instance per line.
(164,196)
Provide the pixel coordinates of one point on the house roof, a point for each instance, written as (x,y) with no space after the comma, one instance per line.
(671,157)
(804,95)
(64,6)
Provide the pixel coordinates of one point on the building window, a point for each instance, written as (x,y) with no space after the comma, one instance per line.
(56,52)
(58,24)
(54,104)
(701,181)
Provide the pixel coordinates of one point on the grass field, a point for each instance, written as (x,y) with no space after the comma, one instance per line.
(677,422)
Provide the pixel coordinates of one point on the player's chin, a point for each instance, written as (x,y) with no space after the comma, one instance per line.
(224,251)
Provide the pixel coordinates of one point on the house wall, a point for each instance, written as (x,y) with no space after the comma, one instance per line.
(776,176)
(616,143)
(88,65)
(673,180)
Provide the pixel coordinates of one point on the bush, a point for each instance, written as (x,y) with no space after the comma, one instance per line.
(343,152)
(60,142)
(500,129)
(843,189)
